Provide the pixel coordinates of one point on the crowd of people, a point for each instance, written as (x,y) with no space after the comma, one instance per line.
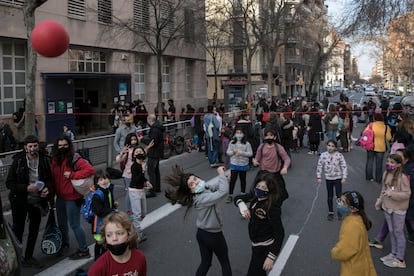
(280,128)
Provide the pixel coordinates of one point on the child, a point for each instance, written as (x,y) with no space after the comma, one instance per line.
(239,151)
(68,132)
(352,249)
(273,158)
(265,227)
(125,162)
(394,200)
(121,240)
(137,189)
(335,170)
(189,190)
(101,207)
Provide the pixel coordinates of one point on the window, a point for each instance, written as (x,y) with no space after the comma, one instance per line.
(87,61)
(165,79)
(17,3)
(188,78)
(12,75)
(167,16)
(105,11)
(139,76)
(141,14)
(76,8)
(189,27)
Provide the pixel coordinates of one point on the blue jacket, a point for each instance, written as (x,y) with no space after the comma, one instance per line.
(101,208)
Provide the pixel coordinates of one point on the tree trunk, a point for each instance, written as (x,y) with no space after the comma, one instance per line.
(159,85)
(29,20)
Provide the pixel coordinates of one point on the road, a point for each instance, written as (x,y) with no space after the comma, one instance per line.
(171,248)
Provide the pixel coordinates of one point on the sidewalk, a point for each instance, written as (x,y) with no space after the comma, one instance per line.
(63,266)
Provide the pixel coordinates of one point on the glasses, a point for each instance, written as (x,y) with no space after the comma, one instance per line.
(63,146)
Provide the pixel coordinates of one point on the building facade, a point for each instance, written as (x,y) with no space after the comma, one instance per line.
(108,60)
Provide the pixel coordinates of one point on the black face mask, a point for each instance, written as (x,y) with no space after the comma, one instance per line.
(117,249)
(63,150)
(140,156)
(128,124)
(269,141)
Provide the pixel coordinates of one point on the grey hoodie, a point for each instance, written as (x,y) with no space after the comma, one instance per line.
(208,213)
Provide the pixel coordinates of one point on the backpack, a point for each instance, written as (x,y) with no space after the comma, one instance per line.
(86,209)
(367,138)
(210,128)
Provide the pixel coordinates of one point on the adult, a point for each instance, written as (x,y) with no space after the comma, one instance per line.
(141,113)
(67,165)
(299,122)
(29,181)
(121,241)
(198,127)
(346,126)
(122,132)
(171,111)
(392,118)
(404,130)
(314,131)
(382,135)
(155,151)
(331,121)
(212,132)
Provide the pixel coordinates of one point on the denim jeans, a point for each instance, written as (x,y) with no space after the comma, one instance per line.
(127,182)
(331,134)
(213,147)
(69,210)
(379,157)
(396,227)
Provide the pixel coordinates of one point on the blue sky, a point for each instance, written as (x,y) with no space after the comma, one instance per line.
(361,51)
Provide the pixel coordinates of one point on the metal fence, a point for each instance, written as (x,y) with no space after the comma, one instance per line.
(101,150)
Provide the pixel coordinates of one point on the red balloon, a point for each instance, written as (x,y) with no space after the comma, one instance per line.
(50,38)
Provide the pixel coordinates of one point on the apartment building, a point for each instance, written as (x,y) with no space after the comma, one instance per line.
(291,66)
(107,62)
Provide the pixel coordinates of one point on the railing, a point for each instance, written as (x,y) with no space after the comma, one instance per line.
(101,150)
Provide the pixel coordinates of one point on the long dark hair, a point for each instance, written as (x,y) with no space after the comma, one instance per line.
(397,173)
(234,139)
(179,192)
(128,139)
(354,199)
(271,182)
(69,154)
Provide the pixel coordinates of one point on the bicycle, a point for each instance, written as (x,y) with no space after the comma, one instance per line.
(174,144)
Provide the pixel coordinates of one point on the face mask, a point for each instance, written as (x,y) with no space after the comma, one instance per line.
(105,186)
(330,149)
(390,167)
(33,152)
(117,249)
(140,156)
(239,137)
(63,150)
(259,193)
(200,187)
(269,141)
(343,210)
(128,124)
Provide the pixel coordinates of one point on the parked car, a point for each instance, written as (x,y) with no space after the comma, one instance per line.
(407,103)
(369,91)
(389,93)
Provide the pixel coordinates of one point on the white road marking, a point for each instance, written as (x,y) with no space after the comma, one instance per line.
(284,256)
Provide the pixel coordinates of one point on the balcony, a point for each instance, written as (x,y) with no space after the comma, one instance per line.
(293,59)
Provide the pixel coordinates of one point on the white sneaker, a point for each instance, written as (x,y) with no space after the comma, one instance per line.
(387,257)
(395,263)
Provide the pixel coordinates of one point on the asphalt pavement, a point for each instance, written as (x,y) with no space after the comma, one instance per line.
(172,250)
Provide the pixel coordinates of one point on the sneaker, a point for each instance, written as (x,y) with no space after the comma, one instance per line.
(215,165)
(375,243)
(330,216)
(31,262)
(371,180)
(310,152)
(130,215)
(410,238)
(339,216)
(387,257)
(142,237)
(80,255)
(394,263)
(229,199)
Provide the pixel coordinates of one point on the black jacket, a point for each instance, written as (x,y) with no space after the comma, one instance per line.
(137,176)
(156,133)
(18,177)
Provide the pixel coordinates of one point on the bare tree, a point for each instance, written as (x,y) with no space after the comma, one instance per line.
(170,23)
(29,9)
